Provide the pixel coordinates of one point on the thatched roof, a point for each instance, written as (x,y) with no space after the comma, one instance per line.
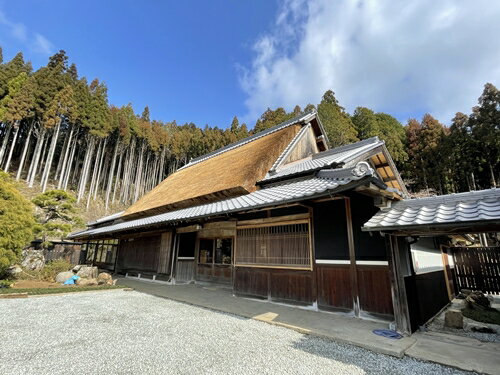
(227,174)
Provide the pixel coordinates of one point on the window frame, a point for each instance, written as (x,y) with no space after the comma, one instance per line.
(304,267)
(214,244)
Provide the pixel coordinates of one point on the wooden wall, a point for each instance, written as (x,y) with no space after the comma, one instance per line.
(334,287)
(280,285)
(374,289)
(139,254)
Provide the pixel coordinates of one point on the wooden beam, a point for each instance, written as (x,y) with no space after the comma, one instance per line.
(398,289)
(352,257)
(271,220)
(188,229)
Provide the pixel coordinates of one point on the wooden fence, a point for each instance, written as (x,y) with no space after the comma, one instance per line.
(477,268)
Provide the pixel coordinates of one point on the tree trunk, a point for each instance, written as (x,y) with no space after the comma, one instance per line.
(64,159)
(5,141)
(50,157)
(492,175)
(36,157)
(11,151)
(94,172)
(69,164)
(84,174)
(117,179)
(25,151)
(111,173)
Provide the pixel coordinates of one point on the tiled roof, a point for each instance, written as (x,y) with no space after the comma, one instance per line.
(462,208)
(330,181)
(104,219)
(336,156)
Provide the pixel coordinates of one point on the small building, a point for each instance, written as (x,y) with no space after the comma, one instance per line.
(277,215)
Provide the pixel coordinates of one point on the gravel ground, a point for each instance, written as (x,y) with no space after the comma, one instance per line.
(118,332)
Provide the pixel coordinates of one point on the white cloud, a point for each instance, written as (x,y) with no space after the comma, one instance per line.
(42,45)
(36,41)
(397,57)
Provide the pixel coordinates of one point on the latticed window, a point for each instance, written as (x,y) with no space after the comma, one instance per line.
(274,246)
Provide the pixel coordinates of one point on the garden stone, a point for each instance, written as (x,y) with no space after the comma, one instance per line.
(14,271)
(33,260)
(88,272)
(104,278)
(454,319)
(77,268)
(63,276)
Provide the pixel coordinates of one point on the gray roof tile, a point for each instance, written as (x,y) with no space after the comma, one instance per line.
(269,196)
(336,156)
(475,206)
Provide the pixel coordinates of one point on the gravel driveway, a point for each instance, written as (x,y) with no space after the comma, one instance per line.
(118,332)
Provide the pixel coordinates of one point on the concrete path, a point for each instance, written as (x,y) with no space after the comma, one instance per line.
(466,354)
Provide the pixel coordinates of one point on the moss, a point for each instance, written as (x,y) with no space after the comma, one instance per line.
(67,289)
(491,316)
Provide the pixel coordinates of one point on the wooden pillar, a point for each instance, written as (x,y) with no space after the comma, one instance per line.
(352,257)
(450,287)
(398,290)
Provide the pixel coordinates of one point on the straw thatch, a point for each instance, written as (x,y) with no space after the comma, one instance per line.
(228,174)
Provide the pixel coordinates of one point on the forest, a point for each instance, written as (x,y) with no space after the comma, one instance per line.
(58,131)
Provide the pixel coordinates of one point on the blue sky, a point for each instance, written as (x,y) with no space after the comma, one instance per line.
(179,57)
(206,61)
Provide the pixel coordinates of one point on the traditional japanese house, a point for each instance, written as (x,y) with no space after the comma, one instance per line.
(277,215)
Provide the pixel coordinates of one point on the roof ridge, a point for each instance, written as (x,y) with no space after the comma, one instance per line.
(299,118)
(347,147)
(453,197)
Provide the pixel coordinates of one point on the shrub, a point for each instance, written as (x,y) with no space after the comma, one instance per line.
(5,283)
(51,269)
(16,223)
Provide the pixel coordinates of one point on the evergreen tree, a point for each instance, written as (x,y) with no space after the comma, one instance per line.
(56,215)
(270,118)
(485,124)
(337,123)
(387,128)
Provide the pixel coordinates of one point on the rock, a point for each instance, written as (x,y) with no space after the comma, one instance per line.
(457,304)
(86,282)
(453,319)
(77,268)
(33,260)
(14,271)
(63,276)
(104,278)
(88,272)
(478,301)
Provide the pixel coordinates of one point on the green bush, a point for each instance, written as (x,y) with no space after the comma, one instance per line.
(51,269)
(16,223)
(5,284)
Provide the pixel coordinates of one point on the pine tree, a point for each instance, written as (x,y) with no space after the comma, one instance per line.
(56,215)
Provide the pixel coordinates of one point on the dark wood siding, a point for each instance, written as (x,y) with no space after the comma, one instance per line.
(281,285)
(334,287)
(139,254)
(375,289)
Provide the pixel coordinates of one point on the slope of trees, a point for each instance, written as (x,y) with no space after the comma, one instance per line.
(58,131)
